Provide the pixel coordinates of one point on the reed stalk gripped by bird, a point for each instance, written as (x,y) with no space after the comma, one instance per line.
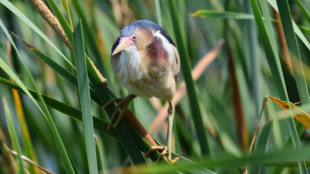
(145,60)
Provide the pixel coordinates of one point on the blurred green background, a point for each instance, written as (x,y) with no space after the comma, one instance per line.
(216,118)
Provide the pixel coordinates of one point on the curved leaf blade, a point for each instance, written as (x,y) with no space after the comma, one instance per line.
(223,15)
(19,14)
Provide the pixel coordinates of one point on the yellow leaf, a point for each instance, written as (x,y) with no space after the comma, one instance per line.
(299,114)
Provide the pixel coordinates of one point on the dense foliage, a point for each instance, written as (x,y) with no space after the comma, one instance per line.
(233,54)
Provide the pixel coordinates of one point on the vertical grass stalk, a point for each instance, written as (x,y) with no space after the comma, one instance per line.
(186,70)
(84,96)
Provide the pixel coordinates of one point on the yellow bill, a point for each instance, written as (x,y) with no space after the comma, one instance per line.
(122,45)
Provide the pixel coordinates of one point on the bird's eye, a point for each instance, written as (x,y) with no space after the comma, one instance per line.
(134,38)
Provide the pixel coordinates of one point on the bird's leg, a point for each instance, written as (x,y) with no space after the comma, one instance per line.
(166,148)
(123,102)
(169,132)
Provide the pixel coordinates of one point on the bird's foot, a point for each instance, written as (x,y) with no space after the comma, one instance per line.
(164,150)
(123,102)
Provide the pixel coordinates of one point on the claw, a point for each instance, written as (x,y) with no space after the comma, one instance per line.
(152,149)
(110,102)
(114,114)
(121,114)
(162,154)
(175,159)
(123,102)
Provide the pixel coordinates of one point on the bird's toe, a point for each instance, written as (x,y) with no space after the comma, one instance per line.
(123,102)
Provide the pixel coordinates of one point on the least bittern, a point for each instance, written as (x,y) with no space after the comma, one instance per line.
(146,61)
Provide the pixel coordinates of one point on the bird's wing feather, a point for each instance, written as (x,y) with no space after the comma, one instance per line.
(159,54)
(176,64)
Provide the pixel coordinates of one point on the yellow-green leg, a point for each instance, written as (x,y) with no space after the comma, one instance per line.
(123,102)
(166,148)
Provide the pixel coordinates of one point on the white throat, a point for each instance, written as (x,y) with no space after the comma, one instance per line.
(131,52)
(130,60)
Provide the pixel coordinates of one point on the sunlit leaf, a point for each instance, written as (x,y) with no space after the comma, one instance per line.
(298,113)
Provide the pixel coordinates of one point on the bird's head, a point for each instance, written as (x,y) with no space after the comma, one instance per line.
(124,43)
(137,34)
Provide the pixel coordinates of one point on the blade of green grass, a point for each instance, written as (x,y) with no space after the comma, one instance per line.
(182,12)
(301,36)
(99,159)
(63,72)
(303,10)
(65,6)
(84,96)
(292,46)
(275,68)
(14,137)
(223,15)
(46,113)
(232,15)
(158,13)
(304,29)
(90,38)
(253,58)
(186,70)
(6,68)
(12,8)
(224,161)
(283,164)
(270,32)
(269,27)
(291,41)
(74,168)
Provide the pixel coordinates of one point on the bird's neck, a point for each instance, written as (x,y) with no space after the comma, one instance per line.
(130,63)
(131,55)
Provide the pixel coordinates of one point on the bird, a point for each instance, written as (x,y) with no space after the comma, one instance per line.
(147,63)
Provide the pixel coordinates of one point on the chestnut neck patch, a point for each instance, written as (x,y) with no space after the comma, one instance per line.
(155,49)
